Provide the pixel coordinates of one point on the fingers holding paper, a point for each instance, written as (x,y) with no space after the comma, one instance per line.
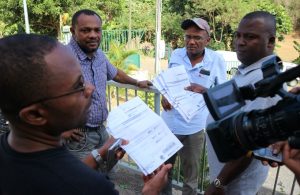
(154,182)
(194,87)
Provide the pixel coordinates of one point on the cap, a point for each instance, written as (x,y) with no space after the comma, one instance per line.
(201,23)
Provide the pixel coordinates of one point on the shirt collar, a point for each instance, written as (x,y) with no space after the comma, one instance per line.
(206,59)
(256,65)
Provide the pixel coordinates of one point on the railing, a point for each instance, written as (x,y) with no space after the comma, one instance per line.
(121,36)
(231,67)
(118,93)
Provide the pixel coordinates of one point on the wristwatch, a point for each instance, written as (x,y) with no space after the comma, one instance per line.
(97,157)
(217,183)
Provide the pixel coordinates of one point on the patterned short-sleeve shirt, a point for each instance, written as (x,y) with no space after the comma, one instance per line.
(96,70)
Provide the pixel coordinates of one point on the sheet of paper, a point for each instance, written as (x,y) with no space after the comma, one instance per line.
(151,142)
(171,84)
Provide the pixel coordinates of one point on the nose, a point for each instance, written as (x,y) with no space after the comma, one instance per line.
(239,40)
(89,89)
(93,34)
(191,41)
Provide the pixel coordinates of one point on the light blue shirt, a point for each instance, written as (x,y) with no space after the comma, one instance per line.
(209,72)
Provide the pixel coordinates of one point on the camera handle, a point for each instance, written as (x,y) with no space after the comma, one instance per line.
(273,85)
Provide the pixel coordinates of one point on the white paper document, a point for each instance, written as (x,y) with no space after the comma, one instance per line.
(151,142)
(171,84)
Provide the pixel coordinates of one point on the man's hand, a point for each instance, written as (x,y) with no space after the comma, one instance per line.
(165,104)
(194,87)
(72,135)
(144,84)
(291,158)
(90,161)
(276,149)
(155,182)
(119,153)
(295,90)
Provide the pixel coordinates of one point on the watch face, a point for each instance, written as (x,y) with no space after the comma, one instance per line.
(217,183)
(96,155)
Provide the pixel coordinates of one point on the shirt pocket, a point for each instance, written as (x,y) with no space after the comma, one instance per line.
(203,79)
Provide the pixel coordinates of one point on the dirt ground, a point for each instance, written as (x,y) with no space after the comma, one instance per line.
(285,49)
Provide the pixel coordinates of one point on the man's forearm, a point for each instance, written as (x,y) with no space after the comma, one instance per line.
(122,77)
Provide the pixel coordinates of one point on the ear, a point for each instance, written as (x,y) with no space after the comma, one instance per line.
(72,29)
(272,41)
(207,41)
(33,115)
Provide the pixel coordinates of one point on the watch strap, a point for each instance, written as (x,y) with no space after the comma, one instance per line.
(97,157)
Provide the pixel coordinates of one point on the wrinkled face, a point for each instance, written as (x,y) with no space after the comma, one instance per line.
(253,41)
(195,40)
(70,98)
(87,32)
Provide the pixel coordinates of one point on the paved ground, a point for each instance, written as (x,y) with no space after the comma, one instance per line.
(129,182)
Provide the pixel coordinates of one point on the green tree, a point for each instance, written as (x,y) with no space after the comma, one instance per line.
(297,48)
(283,20)
(44,15)
(223,17)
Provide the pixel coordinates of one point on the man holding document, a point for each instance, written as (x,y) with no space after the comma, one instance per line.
(206,68)
(51,98)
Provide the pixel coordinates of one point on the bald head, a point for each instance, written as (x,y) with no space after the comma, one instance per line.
(255,37)
(268,19)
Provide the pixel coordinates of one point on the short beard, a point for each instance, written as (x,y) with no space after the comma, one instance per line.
(87,50)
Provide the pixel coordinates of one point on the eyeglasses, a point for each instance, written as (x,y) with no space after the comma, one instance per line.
(79,89)
(195,38)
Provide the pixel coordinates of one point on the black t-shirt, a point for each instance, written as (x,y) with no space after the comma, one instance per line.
(48,172)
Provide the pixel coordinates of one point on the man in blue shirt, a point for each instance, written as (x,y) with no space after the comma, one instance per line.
(86,37)
(206,68)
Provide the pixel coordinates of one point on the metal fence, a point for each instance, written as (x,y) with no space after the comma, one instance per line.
(231,68)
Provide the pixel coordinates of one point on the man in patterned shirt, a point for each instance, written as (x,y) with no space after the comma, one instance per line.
(86,37)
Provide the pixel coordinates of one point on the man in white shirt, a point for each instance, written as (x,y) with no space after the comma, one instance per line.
(206,68)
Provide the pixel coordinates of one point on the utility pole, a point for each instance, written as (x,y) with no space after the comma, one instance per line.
(129,28)
(27,29)
(158,35)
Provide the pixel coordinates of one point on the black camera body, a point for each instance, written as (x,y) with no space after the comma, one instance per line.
(233,135)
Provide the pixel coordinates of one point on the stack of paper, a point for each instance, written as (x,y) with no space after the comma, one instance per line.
(151,142)
(171,84)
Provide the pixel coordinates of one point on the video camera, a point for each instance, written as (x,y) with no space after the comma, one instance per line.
(234,133)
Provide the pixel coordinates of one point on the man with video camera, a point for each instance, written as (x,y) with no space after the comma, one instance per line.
(254,44)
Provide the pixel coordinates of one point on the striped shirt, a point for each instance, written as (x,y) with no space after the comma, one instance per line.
(96,70)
